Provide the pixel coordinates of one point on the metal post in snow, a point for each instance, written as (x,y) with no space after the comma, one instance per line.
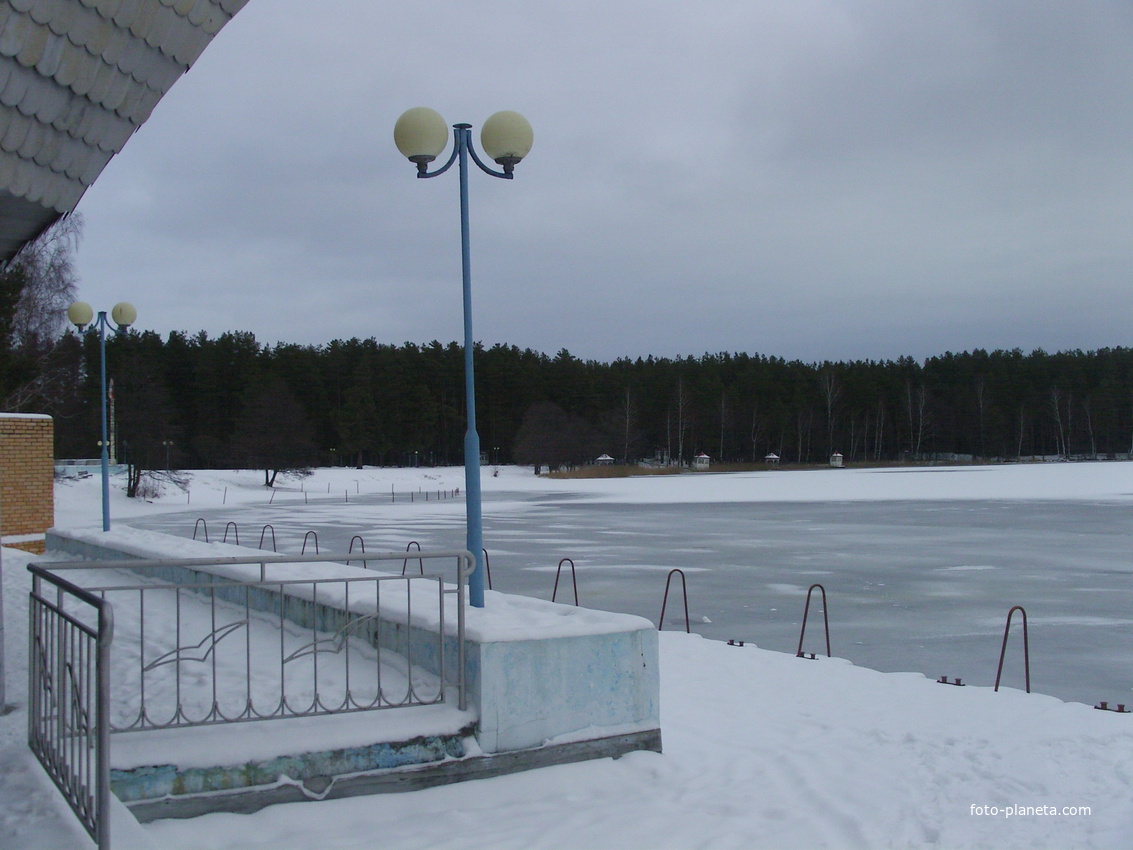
(420,135)
(105,437)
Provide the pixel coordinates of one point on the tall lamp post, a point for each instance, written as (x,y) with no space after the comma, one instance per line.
(123,315)
(422,135)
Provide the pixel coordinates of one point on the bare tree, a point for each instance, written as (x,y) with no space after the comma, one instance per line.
(47,265)
(629,420)
(1088,411)
(756,431)
(803,420)
(879,430)
(682,419)
(916,407)
(1055,398)
(35,291)
(981,408)
(723,419)
(273,434)
(1022,430)
(922,417)
(550,436)
(831,393)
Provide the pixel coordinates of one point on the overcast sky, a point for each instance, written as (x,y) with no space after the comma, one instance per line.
(814,180)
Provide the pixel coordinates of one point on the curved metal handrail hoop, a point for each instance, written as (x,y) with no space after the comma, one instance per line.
(573,578)
(307,535)
(1026,648)
(420,562)
(235,531)
(263,531)
(665,600)
(201,521)
(825,621)
(350,549)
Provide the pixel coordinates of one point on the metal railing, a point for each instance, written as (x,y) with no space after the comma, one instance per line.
(196,648)
(665,600)
(69,636)
(1026,647)
(573,578)
(825,622)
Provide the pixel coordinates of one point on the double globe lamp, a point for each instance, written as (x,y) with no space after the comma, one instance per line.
(122,315)
(421,135)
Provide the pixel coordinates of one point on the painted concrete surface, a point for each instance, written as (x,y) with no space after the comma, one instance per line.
(538,674)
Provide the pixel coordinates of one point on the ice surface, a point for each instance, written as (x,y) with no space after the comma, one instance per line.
(920,567)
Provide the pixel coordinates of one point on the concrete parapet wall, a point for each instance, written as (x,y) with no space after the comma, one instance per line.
(537,673)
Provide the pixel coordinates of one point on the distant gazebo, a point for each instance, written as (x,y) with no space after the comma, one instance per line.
(836,460)
(771,459)
(604,460)
(701,461)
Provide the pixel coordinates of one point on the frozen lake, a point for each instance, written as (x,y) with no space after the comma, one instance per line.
(913,585)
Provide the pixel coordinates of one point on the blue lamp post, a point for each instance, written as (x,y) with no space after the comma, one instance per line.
(123,315)
(422,135)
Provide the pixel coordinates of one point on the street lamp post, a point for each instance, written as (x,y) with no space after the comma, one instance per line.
(422,135)
(123,315)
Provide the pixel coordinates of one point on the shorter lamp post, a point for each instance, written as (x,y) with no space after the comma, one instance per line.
(123,315)
(422,135)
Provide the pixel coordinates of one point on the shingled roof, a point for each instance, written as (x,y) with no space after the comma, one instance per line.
(77,78)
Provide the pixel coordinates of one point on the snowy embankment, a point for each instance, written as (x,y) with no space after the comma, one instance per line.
(760,749)
(76,500)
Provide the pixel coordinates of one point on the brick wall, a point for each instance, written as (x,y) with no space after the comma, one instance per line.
(27,479)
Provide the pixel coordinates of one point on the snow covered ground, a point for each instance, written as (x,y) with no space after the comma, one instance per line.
(761,749)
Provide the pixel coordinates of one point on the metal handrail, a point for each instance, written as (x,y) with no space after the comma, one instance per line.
(420,562)
(1026,648)
(303,551)
(573,578)
(825,621)
(665,600)
(264,531)
(201,521)
(362,542)
(74,752)
(235,531)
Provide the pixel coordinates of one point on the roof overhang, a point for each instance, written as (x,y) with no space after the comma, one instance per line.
(77,79)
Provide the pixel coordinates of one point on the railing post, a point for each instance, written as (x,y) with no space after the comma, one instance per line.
(102,709)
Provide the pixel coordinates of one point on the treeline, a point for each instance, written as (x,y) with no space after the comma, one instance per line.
(230,401)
